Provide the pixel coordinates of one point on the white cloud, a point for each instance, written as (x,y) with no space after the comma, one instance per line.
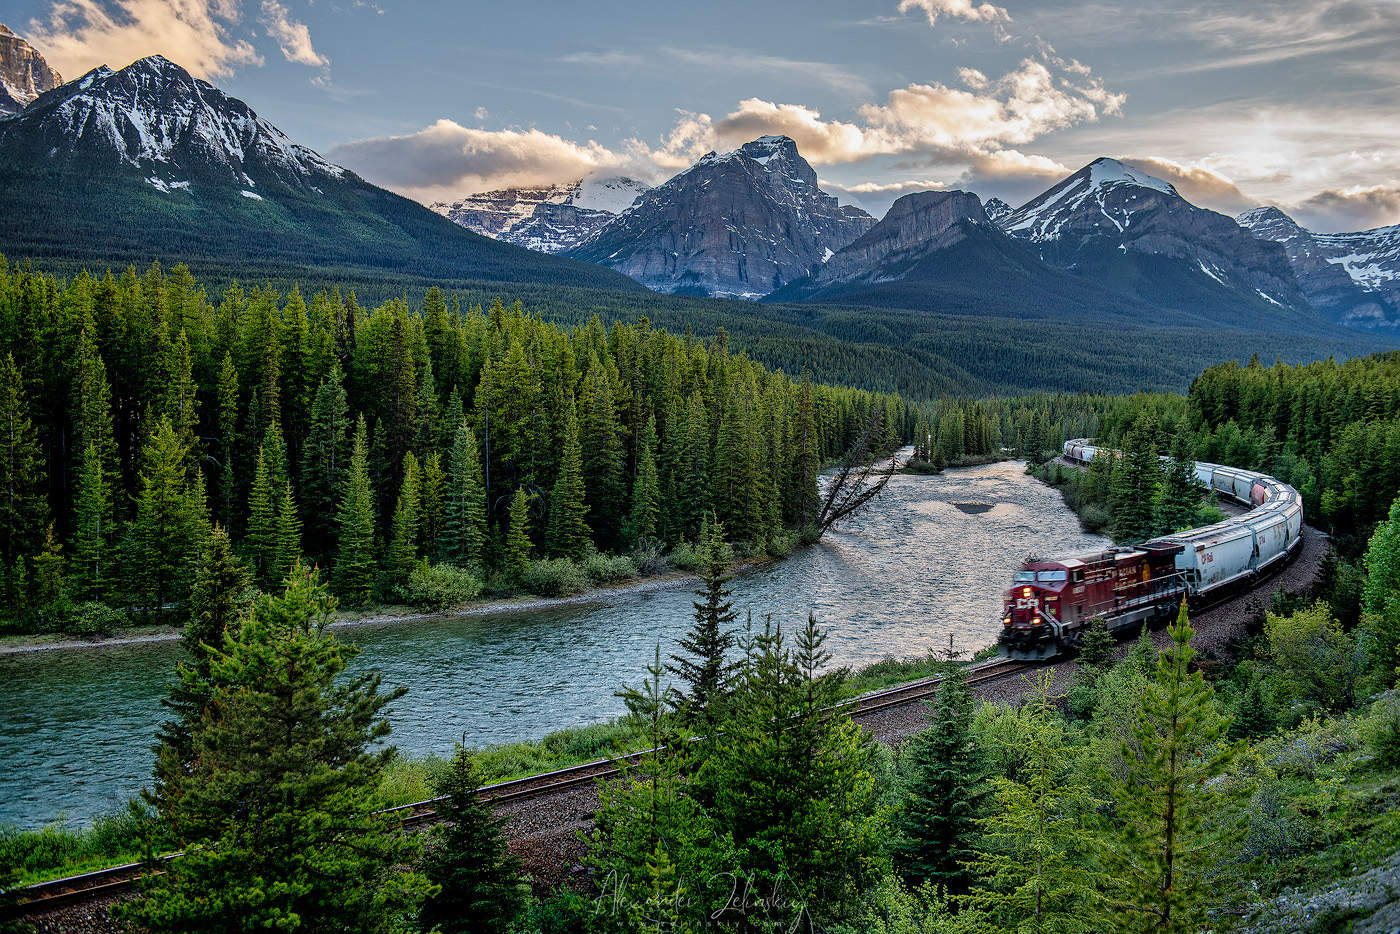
(1198,184)
(481,113)
(79,35)
(447,160)
(1349,209)
(957,9)
(292,37)
(976,121)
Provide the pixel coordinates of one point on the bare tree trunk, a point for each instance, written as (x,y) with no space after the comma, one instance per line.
(858,480)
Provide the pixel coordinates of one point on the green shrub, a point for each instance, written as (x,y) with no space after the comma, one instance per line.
(686,557)
(609,569)
(782,543)
(648,556)
(91,619)
(440,586)
(1094,518)
(1382,732)
(555,577)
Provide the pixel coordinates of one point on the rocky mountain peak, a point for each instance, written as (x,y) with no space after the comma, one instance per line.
(24,74)
(917,223)
(737,224)
(997,209)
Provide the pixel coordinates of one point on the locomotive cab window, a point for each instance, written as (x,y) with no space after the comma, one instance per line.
(1050,577)
(1024,577)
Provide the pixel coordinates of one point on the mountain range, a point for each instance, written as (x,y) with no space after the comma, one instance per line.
(150,162)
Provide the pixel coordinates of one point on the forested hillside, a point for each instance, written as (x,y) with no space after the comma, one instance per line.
(410,449)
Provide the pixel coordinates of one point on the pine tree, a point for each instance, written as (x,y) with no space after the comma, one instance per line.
(480,887)
(430,504)
(464,502)
(403,543)
(217,600)
(568,534)
(601,437)
(93,573)
(518,536)
(314,850)
(644,518)
(169,522)
(1133,488)
(49,564)
(704,672)
(324,459)
(354,565)
(1033,875)
(1179,497)
(228,440)
(1158,843)
(23,509)
(92,414)
(288,534)
(943,765)
(260,544)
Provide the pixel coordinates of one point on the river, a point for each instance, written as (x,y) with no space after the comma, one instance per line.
(929,558)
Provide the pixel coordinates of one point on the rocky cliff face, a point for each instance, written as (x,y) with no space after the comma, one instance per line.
(24,74)
(1343,275)
(997,209)
(914,226)
(550,219)
(1109,216)
(739,225)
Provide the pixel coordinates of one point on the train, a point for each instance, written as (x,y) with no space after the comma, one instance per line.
(1051,603)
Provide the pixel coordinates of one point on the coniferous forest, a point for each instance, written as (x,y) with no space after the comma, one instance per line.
(415,452)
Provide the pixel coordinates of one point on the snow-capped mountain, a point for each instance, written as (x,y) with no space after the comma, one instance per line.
(24,74)
(149,161)
(1112,222)
(1354,277)
(549,219)
(996,209)
(738,224)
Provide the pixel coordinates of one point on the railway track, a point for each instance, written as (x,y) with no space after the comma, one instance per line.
(48,896)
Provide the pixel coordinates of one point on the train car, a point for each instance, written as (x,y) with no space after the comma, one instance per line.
(1051,602)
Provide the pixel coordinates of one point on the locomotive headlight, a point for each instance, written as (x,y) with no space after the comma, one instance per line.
(1025,591)
(1006,621)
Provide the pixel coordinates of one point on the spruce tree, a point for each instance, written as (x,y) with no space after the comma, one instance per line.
(23,509)
(1159,841)
(403,543)
(260,544)
(518,544)
(943,794)
(221,588)
(228,440)
(603,458)
(430,504)
(704,671)
(93,572)
(354,565)
(277,815)
(168,525)
(1179,498)
(568,535)
(288,534)
(644,517)
(325,457)
(1032,865)
(464,502)
(1133,488)
(479,880)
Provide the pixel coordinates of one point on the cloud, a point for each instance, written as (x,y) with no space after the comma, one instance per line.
(744,61)
(292,37)
(447,160)
(1197,184)
(481,113)
(611,58)
(883,188)
(975,121)
(82,34)
(957,9)
(1349,209)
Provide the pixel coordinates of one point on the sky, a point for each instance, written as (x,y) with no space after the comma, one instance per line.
(1285,102)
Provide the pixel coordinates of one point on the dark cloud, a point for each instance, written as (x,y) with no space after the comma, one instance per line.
(1333,211)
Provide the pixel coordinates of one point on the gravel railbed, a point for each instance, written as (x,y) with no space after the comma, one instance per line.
(545,832)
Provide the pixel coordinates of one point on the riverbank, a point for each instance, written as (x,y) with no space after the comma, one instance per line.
(136,635)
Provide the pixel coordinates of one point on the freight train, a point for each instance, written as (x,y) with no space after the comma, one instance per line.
(1050,603)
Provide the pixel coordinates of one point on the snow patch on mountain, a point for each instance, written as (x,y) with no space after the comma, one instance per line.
(1104,183)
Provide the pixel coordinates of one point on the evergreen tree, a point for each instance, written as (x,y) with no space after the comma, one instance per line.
(464,502)
(430,504)
(276,817)
(23,509)
(1032,868)
(1159,842)
(603,458)
(704,671)
(479,882)
(942,802)
(324,459)
(403,545)
(92,542)
(261,543)
(1179,498)
(92,416)
(568,534)
(644,518)
(169,524)
(228,439)
(518,535)
(217,600)
(1133,488)
(288,534)
(354,565)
